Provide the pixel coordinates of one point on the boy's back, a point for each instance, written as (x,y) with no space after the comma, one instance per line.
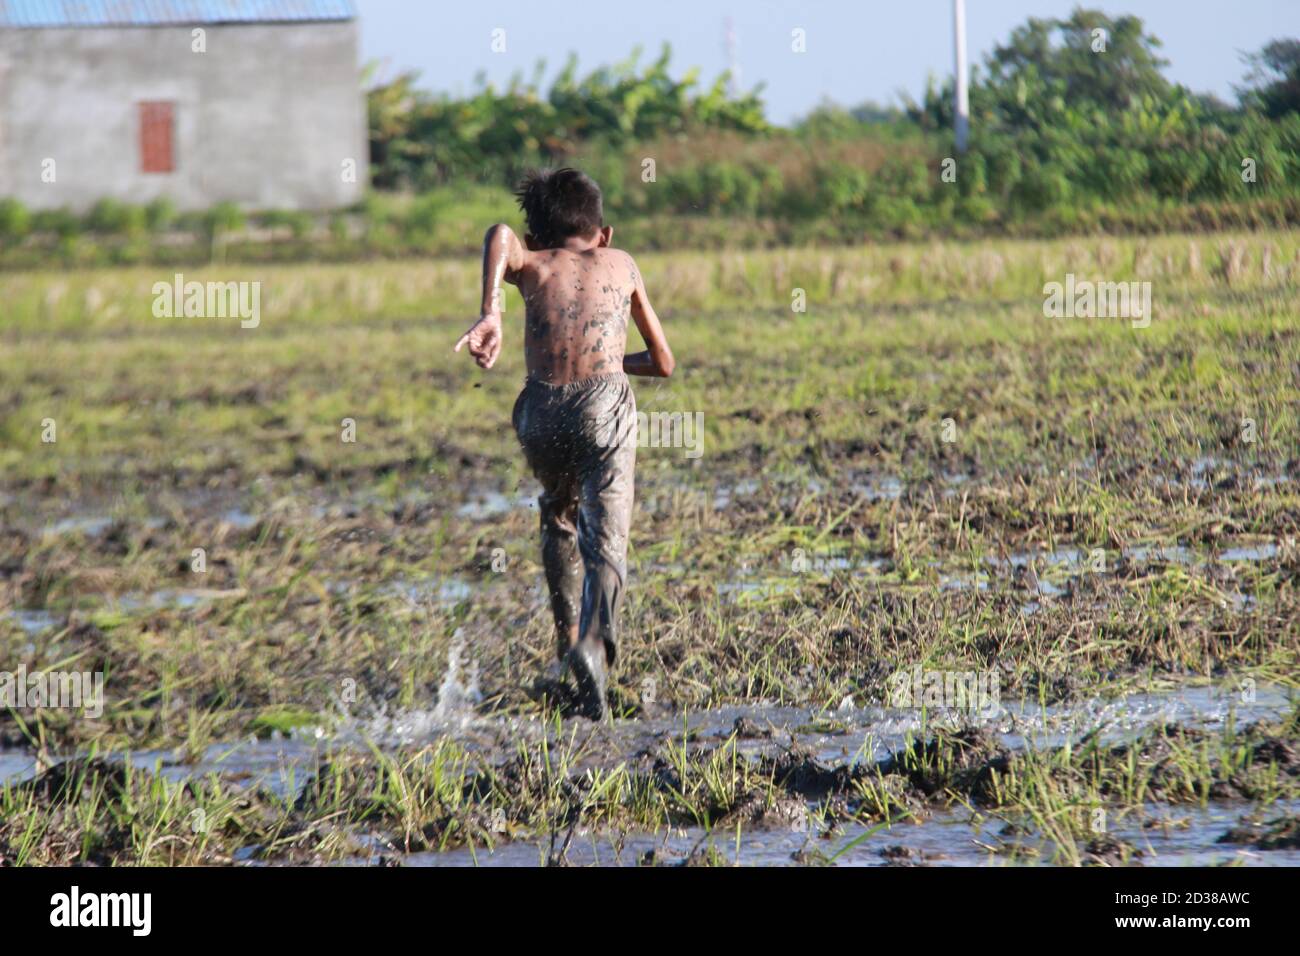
(577,306)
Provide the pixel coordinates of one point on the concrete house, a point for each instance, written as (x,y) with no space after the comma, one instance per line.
(257,102)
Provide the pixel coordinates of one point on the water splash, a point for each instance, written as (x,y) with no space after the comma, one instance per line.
(453,714)
(457,697)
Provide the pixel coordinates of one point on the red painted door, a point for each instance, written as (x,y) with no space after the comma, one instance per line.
(157,128)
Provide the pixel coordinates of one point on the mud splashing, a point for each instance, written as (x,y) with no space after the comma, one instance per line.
(459,691)
(452,714)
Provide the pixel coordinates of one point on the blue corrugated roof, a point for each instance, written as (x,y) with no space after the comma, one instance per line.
(147,13)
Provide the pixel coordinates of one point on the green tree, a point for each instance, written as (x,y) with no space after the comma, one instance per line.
(1273,83)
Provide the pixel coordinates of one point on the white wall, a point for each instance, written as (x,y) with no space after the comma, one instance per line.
(264,118)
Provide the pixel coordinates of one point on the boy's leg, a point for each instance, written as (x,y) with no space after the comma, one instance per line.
(604,516)
(549,456)
(607,415)
(604,520)
(558,506)
(605,512)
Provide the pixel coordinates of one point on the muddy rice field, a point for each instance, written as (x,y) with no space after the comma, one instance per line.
(945,581)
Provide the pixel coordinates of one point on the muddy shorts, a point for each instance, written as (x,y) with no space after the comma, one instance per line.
(580,441)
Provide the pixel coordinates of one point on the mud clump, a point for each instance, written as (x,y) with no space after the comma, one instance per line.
(60,795)
(965,761)
(1282,833)
(416,802)
(1106,850)
(899,855)
(76,780)
(797,772)
(746,729)
(1162,753)
(1278,751)
(97,812)
(768,812)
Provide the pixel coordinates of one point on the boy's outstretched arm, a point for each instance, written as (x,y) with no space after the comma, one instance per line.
(503,256)
(657,360)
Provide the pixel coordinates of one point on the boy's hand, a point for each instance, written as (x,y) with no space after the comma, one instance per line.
(484,339)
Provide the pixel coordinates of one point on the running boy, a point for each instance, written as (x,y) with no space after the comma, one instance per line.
(576,416)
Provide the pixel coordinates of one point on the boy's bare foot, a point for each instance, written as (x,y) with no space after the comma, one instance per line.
(587,661)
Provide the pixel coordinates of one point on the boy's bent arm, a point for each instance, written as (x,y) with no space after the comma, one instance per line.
(504,256)
(657,360)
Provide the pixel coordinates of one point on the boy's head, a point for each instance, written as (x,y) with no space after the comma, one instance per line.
(561,204)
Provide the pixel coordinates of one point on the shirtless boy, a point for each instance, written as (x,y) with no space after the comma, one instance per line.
(576,416)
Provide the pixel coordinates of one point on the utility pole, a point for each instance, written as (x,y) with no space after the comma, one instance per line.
(733,58)
(961,104)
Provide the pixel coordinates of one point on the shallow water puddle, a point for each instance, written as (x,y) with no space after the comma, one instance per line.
(91,525)
(725,494)
(1052,570)
(878,489)
(1163,836)
(870,733)
(1177,836)
(37,621)
(1263,552)
(493,504)
(443,592)
(282,765)
(34,620)
(785,491)
(183,598)
(1205,472)
(848,735)
(239,518)
(415,593)
(16,766)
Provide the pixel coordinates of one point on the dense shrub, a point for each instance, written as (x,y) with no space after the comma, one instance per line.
(15,220)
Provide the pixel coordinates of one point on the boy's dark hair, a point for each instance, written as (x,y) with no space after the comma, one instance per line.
(559,203)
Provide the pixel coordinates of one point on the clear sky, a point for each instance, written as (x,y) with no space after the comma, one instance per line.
(856,49)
